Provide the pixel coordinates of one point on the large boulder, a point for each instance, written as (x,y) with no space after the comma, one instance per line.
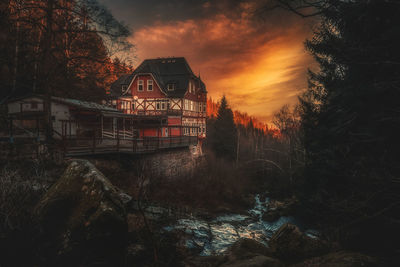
(248,252)
(290,244)
(82,218)
(340,259)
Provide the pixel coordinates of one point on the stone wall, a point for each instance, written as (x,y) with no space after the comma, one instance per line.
(174,163)
(165,163)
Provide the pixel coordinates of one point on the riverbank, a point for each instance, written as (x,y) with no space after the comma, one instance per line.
(81,217)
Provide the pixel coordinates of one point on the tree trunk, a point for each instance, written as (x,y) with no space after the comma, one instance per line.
(46,73)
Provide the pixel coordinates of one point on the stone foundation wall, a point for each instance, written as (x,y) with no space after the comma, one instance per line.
(166,163)
(174,163)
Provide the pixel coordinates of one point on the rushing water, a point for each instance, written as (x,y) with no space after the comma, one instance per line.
(215,236)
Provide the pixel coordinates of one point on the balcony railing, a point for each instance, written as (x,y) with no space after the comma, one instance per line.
(168,112)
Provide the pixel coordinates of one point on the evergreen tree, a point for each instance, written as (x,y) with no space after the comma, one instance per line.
(350,118)
(223,136)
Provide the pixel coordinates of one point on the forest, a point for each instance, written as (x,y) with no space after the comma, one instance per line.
(330,161)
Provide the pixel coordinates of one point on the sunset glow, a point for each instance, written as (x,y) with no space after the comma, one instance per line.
(259,64)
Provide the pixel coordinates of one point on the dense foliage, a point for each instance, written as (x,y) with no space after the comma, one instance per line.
(59,47)
(350,119)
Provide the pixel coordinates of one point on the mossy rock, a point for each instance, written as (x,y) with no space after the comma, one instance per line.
(291,245)
(248,252)
(82,217)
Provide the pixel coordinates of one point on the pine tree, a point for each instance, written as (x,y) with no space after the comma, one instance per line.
(223,139)
(350,116)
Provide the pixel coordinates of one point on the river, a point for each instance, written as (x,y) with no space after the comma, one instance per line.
(214,236)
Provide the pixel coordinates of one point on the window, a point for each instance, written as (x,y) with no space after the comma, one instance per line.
(204,107)
(34,105)
(124,87)
(140,85)
(133,106)
(193,87)
(158,105)
(163,106)
(171,87)
(149,85)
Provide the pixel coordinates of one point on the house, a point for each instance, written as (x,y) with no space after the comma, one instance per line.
(71,118)
(167,89)
(87,128)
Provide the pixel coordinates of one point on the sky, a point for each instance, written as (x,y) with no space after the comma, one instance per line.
(257,59)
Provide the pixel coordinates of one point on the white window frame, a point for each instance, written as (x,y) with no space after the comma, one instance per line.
(140,84)
(150,83)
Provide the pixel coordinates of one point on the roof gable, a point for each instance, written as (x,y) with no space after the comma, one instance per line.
(165,71)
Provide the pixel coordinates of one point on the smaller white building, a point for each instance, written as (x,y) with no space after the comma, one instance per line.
(70,117)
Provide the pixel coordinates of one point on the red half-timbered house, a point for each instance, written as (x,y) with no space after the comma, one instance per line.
(163,90)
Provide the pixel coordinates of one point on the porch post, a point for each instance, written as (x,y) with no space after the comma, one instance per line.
(158,137)
(132,127)
(123,126)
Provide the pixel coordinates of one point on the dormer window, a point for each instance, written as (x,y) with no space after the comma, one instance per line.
(170,87)
(140,85)
(192,87)
(124,87)
(149,85)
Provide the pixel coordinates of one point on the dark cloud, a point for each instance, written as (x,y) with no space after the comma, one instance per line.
(138,13)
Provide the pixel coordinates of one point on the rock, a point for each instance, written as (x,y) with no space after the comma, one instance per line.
(125,198)
(340,259)
(277,209)
(248,252)
(245,246)
(256,261)
(290,244)
(271,216)
(82,218)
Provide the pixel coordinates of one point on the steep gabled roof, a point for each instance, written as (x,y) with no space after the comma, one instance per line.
(164,70)
(116,87)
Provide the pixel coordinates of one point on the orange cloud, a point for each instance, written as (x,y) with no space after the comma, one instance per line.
(258,66)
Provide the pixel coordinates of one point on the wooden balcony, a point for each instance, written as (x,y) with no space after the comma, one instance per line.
(92,146)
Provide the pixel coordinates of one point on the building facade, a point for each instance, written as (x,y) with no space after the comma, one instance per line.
(164,88)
